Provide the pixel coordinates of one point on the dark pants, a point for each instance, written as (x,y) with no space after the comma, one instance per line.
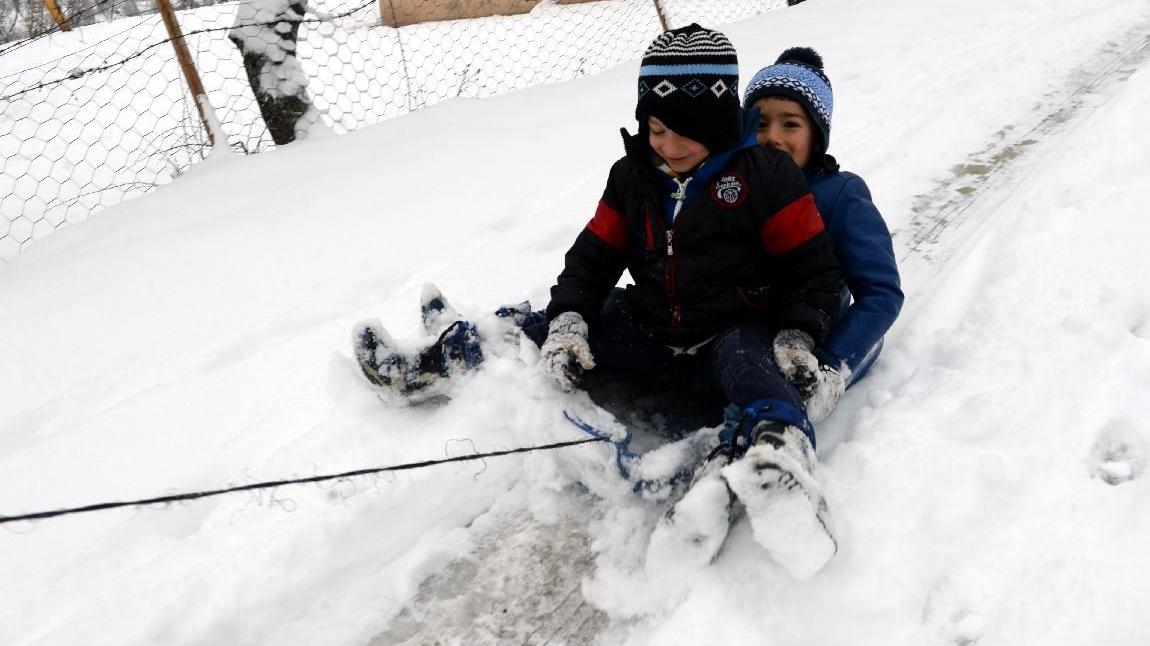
(738,363)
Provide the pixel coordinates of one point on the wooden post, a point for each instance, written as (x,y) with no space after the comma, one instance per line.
(57,15)
(662,16)
(190,74)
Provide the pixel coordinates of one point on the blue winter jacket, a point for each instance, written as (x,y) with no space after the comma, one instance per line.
(865,253)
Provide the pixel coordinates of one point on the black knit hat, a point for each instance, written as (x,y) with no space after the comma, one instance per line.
(689,80)
(798,75)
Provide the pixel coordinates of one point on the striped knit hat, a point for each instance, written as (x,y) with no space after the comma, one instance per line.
(798,75)
(689,80)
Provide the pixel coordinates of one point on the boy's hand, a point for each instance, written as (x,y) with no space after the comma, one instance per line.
(566,354)
(828,390)
(796,359)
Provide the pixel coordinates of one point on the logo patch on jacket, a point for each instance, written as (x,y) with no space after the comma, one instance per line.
(729,190)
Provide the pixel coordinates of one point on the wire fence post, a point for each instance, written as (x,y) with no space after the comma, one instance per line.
(662,16)
(58,16)
(199,97)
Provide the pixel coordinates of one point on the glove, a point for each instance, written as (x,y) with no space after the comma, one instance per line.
(565,354)
(795,357)
(829,387)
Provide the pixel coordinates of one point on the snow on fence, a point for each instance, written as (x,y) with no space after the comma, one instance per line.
(93,116)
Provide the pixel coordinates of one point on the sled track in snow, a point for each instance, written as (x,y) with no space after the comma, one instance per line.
(987,178)
(521,586)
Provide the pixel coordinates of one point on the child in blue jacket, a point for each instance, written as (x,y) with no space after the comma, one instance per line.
(795,102)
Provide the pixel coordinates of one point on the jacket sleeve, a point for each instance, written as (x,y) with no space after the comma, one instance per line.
(865,252)
(595,262)
(806,274)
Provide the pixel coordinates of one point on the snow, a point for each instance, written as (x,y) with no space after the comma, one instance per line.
(986,479)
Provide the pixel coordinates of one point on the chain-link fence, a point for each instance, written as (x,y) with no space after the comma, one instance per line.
(94,116)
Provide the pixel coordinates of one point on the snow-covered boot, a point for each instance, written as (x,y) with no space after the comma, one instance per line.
(424,376)
(692,531)
(434,310)
(776,482)
(456,350)
(375,353)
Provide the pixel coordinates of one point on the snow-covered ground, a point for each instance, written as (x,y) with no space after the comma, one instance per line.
(987,479)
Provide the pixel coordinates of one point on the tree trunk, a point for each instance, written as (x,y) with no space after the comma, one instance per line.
(265,33)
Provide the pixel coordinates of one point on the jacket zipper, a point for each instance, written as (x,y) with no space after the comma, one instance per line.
(672,296)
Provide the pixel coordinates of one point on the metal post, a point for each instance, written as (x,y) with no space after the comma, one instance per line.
(57,15)
(190,75)
(662,16)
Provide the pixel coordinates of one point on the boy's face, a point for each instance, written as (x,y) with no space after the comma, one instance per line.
(784,124)
(683,155)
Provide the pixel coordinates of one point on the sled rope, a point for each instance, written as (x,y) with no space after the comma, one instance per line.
(194,495)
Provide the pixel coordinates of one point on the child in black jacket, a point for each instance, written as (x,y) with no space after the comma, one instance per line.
(735,281)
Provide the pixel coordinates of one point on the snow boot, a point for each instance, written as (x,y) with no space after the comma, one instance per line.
(776,482)
(435,312)
(693,531)
(456,350)
(424,376)
(371,344)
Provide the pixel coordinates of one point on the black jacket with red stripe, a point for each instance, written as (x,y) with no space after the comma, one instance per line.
(748,244)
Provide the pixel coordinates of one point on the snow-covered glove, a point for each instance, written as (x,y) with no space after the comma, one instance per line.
(566,354)
(794,352)
(829,387)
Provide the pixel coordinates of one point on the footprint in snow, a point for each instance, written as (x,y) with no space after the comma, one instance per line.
(1141,329)
(1119,453)
(950,610)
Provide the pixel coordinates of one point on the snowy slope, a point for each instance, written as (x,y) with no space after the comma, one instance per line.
(198,336)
